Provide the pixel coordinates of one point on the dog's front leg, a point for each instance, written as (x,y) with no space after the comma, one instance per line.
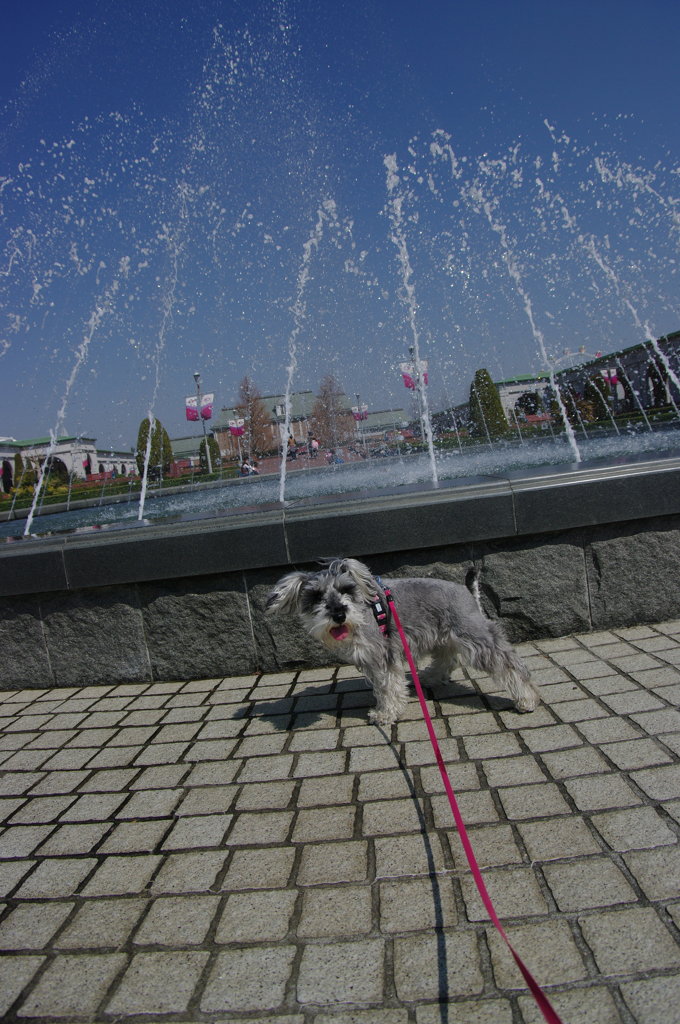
(391,695)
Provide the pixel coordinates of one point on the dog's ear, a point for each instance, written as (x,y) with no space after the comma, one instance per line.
(285,597)
(361,575)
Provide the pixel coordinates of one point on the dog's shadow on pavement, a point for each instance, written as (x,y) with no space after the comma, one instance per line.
(309,706)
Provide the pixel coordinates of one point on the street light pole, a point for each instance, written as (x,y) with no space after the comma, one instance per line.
(197,378)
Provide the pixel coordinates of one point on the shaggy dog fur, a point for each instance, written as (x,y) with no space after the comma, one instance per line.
(440,619)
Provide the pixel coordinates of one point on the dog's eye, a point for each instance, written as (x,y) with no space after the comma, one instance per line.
(346,588)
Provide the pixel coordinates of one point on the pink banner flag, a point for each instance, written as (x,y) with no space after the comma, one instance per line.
(191,405)
(207,406)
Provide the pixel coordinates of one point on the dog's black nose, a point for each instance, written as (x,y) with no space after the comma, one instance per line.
(338,616)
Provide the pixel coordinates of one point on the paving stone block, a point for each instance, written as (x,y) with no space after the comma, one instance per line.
(259,869)
(266,796)
(261,828)
(177,921)
(195,871)
(659,783)
(11,873)
(593,1005)
(21,840)
(551,737)
(73,985)
(558,838)
(597,792)
(329,863)
(94,807)
(533,801)
(372,759)
(69,840)
(478,1011)
(261,769)
(248,979)
(635,829)
(595,882)
(657,872)
(652,1000)
(342,972)
(575,761)
(340,911)
(213,773)
(119,875)
(136,836)
(262,746)
(493,845)
(463,776)
(164,776)
(476,808)
(323,824)
(437,966)
(630,940)
(15,974)
(417,904)
(109,780)
(631,754)
(421,752)
(102,923)
(514,891)
(158,983)
(32,925)
(391,1016)
(511,771)
(323,763)
(207,800)
(202,831)
(386,817)
(41,810)
(407,855)
(256,916)
(56,877)
(546,947)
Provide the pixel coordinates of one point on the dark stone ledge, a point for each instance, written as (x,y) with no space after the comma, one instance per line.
(522,504)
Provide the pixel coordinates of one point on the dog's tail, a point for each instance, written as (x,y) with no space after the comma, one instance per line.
(472,583)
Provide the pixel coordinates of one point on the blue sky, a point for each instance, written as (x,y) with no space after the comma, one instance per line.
(203,187)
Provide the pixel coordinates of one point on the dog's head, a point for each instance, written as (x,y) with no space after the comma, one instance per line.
(331,602)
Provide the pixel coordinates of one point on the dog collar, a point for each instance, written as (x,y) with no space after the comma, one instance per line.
(381,610)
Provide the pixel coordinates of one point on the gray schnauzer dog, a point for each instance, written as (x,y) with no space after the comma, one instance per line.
(440,619)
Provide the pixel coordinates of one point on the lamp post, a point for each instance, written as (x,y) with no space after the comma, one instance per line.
(197,378)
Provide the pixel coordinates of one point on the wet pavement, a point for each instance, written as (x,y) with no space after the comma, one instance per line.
(251,849)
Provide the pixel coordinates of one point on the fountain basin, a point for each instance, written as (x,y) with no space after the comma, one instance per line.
(561,548)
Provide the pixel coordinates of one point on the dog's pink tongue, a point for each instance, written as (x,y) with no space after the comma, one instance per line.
(339,632)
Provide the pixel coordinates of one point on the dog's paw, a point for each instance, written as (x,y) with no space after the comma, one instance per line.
(528,703)
(377,717)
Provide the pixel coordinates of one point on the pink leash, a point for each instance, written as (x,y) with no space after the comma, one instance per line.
(539,995)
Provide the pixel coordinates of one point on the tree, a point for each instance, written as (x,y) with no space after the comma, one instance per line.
(256,438)
(331,421)
(486,411)
(214,450)
(161,449)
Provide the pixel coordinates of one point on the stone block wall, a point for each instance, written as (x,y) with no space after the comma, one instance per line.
(213,624)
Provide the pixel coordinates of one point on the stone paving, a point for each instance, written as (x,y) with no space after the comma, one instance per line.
(251,849)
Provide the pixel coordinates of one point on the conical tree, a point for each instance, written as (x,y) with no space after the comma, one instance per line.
(486,410)
(214,450)
(161,449)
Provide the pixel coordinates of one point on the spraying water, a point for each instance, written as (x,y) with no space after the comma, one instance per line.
(396,198)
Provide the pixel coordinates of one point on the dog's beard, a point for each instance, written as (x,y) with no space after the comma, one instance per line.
(328,632)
